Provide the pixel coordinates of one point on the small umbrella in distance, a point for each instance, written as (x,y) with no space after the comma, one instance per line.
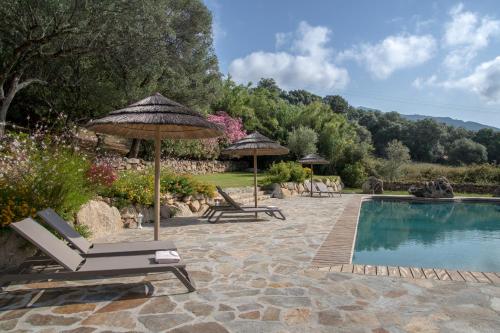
(312,159)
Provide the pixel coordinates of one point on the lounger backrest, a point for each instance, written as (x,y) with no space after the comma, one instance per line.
(321,187)
(308,185)
(67,232)
(48,243)
(228,199)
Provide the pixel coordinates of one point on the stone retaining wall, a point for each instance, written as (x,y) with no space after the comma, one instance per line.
(180,166)
(467,188)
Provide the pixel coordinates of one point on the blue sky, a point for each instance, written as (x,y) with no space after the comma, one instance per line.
(439,58)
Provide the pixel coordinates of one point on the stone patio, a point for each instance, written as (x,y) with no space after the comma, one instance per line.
(253,276)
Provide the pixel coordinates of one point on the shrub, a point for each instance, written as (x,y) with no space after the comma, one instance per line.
(40,172)
(353,174)
(278,173)
(101,174)
(283,172)
(138,187)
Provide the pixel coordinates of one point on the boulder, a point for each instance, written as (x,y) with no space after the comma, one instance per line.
(14,250)
(275,190)
(165,212)
(300,188)
(194,206)
(181,209)
(129,217)
(101,218)
(147,212)
(373,185)
(440,188)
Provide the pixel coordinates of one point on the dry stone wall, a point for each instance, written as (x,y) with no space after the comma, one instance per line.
(180,166)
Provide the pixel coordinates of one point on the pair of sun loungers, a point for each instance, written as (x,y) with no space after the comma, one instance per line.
(215,212)
(86,260)
(320,188)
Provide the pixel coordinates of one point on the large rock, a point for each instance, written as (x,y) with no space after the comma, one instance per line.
(147,212)
(275,190)
(440,188)
(181,209)
(129,216)
(13,250)
(100,218)
(373,185)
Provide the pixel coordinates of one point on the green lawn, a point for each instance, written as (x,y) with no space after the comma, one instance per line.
(230,179)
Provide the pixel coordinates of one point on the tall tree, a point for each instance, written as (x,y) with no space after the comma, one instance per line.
(34,33)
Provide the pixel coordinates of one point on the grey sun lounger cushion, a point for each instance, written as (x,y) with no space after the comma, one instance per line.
(73,237)
(77,267)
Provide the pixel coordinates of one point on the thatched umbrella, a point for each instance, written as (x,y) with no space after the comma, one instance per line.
(255,144)
(156,117)
(313,159)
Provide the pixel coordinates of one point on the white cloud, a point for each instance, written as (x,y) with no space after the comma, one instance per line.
(393,53)
(483,81)
(465,34)
(307,64)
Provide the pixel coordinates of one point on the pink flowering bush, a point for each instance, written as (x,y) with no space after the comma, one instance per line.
(233,127)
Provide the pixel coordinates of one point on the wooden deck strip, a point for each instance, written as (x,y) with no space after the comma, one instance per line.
(442,274)
(359,269)
(480,277)
(338,246)
(405,272)
(455,276)
(370,270)
(382,271)
(468,276)
(417,273)
(493,278)
(393,271)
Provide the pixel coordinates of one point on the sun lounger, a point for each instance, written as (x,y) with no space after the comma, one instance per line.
(233,207)
(323,189)
(62,227)
(319,188)
(64,263)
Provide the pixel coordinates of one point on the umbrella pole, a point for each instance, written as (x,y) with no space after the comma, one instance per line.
(255,178)
(311,189)
(157,184)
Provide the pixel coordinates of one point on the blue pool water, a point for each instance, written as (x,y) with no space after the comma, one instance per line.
(453,235)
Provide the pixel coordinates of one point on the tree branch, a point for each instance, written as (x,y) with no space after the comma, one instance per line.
(27,82)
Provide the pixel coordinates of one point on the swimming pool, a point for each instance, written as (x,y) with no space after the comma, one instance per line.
(451,235)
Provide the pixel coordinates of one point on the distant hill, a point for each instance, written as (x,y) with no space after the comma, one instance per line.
(469,125)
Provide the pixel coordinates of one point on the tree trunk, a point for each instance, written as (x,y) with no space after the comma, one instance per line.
(134,148)
(6,99)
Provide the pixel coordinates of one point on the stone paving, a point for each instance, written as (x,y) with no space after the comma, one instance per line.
(253,276)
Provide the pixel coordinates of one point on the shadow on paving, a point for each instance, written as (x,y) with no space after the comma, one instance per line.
(47,296)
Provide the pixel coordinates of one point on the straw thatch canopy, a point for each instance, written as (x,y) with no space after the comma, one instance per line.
(313,159)
(143,119)
(255,144)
